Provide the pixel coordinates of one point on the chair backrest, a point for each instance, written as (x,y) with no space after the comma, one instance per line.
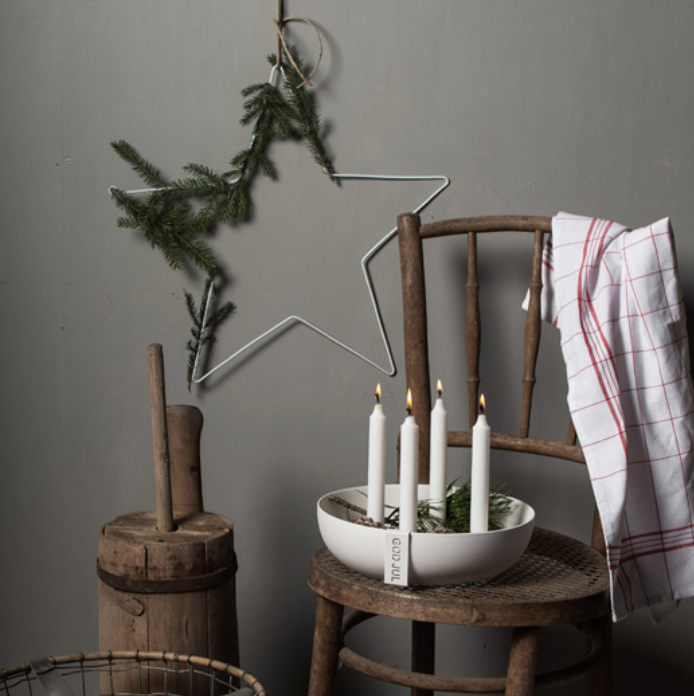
(412,234)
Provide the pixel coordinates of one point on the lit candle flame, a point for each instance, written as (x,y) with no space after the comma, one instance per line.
(378,393)
(439,387)
(409,401)
(482,404)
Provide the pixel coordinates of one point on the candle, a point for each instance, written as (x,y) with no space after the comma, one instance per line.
(377,461)
(479,478)
(409,448)
(437,457)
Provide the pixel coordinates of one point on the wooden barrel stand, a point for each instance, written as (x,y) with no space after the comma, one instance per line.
(170,591)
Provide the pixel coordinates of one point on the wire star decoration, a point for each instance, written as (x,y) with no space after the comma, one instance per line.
(442,182)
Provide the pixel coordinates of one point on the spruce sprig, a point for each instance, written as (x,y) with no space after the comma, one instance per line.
(307,118)
(174,216)
(144,169)
(203,327)
(168,223)
(457,510)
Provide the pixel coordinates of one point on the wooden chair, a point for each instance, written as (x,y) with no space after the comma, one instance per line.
(558,581)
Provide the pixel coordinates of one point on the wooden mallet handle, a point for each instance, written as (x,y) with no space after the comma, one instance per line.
(160,440)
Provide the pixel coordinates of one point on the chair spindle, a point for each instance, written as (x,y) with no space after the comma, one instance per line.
(473,329)
(415,329)
(533,327)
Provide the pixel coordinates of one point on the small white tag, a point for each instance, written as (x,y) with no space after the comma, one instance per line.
(396,558)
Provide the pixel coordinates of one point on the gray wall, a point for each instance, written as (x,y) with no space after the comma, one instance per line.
(529,106)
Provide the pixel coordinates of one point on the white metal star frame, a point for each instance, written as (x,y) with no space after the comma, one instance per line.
(390,369)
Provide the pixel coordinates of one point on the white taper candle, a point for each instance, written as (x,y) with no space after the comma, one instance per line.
(479,478)
(437,457)
(377,461)
(409,449)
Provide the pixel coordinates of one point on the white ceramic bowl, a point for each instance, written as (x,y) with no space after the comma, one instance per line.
(435,559)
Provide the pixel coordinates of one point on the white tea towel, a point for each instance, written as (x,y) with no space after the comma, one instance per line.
(614,295)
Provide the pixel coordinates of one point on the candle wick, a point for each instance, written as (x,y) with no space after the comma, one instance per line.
(378,398)
(481,411)
(440,393)
(409,411)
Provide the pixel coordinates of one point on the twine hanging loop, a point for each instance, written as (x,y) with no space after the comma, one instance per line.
(280,21)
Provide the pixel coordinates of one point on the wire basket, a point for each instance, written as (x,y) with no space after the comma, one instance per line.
(127,674)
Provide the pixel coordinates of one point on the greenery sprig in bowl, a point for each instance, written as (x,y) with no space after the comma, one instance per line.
(457,518)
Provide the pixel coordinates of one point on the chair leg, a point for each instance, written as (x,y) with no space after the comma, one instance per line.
(601,679)
(327,640)
(423,652)
(525,647)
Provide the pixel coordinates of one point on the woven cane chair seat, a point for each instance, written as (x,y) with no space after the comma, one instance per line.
(555,571)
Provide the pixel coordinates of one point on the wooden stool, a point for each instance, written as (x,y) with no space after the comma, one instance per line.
(558,580)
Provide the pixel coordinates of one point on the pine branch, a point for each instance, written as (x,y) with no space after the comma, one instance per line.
(306,117)
(144,169)
(174,217)
(266,99)
(130,205)
(457,511)
(207,174)
(234,205)
(203,331)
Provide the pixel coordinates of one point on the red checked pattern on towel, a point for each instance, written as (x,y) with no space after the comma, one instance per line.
(614,295)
